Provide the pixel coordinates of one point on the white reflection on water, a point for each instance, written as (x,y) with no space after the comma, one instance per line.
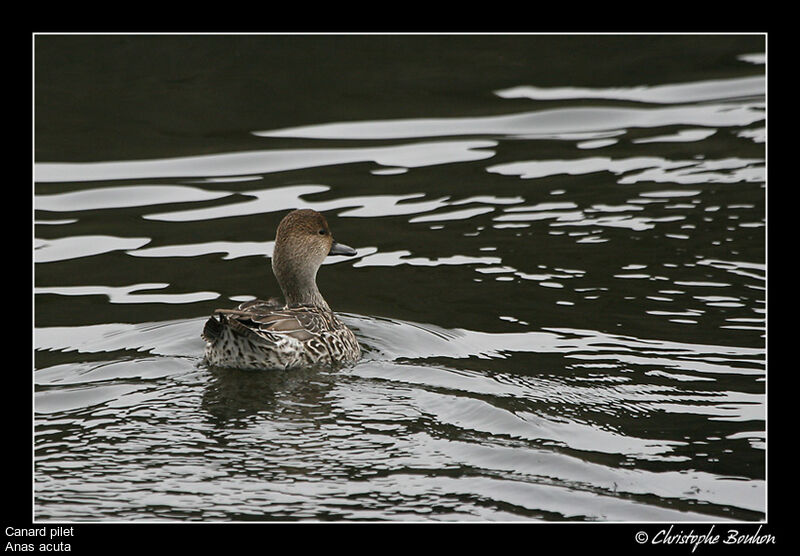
(542,123)
(453,215)
(758,58)
(395,258)
(128,294)
(757,135)
(265,161)
(60,249)
(579,218)
(278,199)
(122,196)
(232,249)
(682,136)
(653,169)
(287,198)
(696,91)
(741,268)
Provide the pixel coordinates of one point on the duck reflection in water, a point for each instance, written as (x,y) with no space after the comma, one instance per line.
(232,396)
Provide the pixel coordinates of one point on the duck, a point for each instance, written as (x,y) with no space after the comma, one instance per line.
(299,333)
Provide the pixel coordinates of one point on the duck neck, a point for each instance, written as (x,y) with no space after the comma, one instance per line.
(308,295)
(299,287)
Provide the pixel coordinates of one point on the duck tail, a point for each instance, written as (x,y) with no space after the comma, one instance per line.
(212,330)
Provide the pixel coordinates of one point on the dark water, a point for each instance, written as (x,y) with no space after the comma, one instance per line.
(560,285)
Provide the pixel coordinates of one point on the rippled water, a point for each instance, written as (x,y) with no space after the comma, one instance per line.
(560,290)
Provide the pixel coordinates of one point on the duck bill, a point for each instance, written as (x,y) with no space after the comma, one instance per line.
(342,249)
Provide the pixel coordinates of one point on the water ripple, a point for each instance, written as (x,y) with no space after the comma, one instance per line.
(264,161)
(549,123)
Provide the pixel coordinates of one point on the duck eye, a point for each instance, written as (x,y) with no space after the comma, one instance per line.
(322,232)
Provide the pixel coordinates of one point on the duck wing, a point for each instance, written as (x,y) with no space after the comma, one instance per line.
(271,321)
(301,325)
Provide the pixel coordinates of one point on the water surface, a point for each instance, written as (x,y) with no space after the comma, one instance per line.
(559,287)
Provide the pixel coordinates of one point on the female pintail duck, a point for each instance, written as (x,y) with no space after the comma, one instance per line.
(304,332)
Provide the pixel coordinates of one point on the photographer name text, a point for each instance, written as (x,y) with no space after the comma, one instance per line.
(710,537)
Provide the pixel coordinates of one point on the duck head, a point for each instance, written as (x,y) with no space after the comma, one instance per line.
(302,242)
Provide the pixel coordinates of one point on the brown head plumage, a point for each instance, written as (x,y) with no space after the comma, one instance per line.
(302,242)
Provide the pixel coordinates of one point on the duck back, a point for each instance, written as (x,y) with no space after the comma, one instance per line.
(265,335)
